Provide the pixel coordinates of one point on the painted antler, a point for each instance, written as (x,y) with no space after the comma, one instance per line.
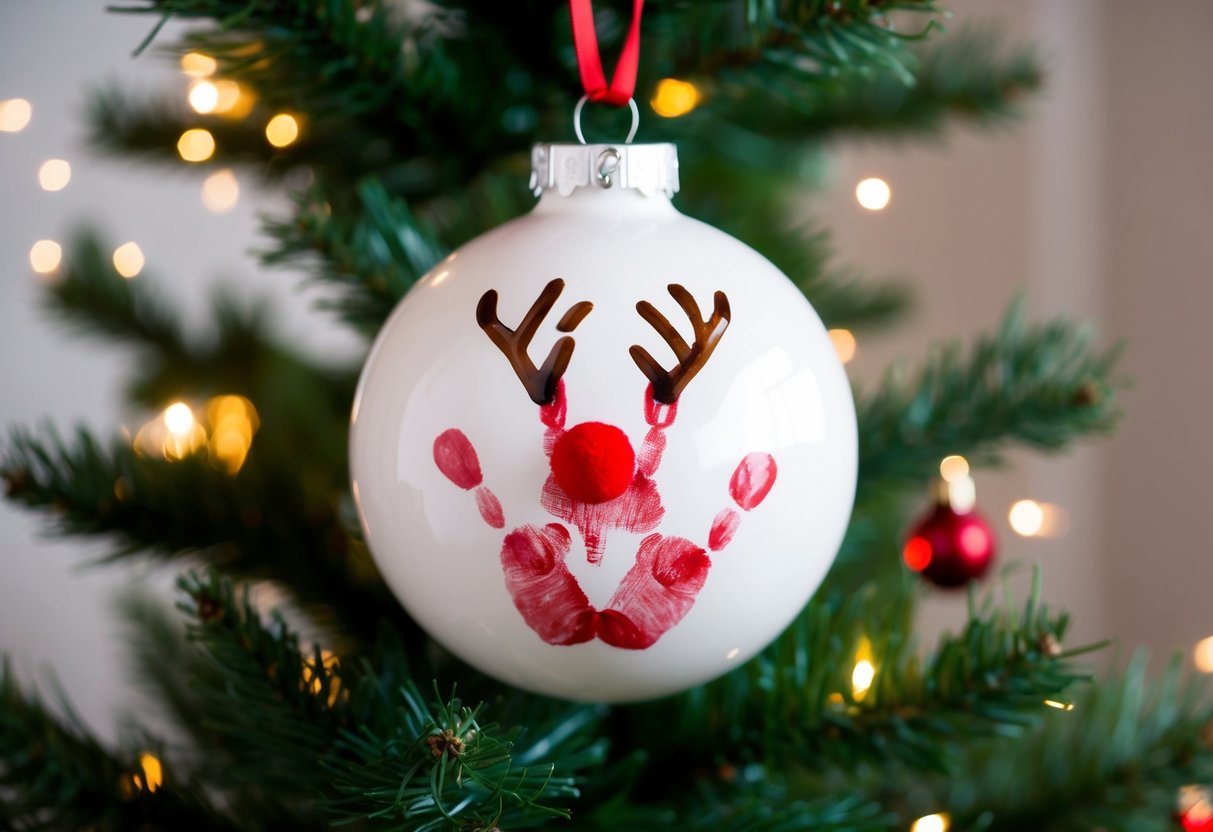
(540,383)
(668,385)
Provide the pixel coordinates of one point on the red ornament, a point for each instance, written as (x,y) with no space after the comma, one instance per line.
(1195,809)
(1197,820)
(593,462)
(951,546)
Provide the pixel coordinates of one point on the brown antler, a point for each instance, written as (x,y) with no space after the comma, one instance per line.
(667,386)
(540,383)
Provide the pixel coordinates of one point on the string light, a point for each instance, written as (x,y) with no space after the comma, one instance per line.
(44,256)
(873,193)
(203,96)
(313,681)
(220,191)
(953,468)
(674,98)
(932,823)
(54,174)
(1203,655)
(233,421)
(1027,518)
(282,130)
(1061,706)
(864,672)
(15,114)
(232,100)
(128,260)
(844,344)
(197,65)
(196,145)
(153,772)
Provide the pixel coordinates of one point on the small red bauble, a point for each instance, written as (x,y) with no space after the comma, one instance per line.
(950,548)
(593,462)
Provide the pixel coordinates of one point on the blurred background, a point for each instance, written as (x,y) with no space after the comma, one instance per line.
(1099,206)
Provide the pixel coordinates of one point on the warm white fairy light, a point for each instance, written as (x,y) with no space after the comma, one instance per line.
(197,65)
(179,419)
(1027,518)
(1061,706)
(873,193)
(44,256)
(864,672)
(15,114)
(54,174)
(231,99)
(128,260)
(932,823)
(282,130)
(220,191)
(844,344)
(674,98)
(953,468)
(203,96)
(196,145)
(1203,655)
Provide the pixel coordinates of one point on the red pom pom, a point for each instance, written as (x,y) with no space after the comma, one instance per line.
(593,462)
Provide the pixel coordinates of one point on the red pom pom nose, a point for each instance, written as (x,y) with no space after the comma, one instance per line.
(593,462)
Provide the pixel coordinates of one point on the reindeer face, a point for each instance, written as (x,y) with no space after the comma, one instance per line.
(611,487)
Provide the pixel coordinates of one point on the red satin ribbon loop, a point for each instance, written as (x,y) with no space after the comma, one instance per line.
(589,62)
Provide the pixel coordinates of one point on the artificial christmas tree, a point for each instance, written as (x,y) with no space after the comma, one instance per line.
(414,125)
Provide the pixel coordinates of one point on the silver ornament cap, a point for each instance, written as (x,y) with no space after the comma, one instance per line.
(648,168)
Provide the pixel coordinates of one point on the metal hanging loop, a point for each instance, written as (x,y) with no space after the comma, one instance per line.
(581,106)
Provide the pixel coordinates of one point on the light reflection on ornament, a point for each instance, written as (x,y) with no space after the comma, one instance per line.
(203,96)
(197,65)
(1203,655)
(282,130)
(917,553)
(196,145)
(220,191)
(45,256)
(674,98)
(54,174)
(932,823)
(873,193)
(844,344)
(15,114)
(128,260)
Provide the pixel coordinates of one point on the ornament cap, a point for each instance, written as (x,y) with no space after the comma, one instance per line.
(647,168)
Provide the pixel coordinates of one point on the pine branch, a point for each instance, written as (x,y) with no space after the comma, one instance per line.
(55,775)
(1040,385)
(260,523)
(1116,761)
(794,703)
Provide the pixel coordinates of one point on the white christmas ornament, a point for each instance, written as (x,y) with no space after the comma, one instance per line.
(605,451)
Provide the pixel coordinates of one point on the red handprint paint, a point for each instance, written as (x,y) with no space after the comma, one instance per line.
(598,483)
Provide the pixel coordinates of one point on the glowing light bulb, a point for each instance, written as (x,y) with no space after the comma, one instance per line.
(844,344)
(282,130)
(932,823)
(196,145)
(233,421)
(203,96)
(231,99)
(220,191)
(674,98)
(179,419)
(54,174)
(153,772)
(128,260)
(44,256)
(197,65)
(1027,518)
(873,193)
(864,672)
(953,468)
(1203,655)
(1061,706)
(15,114)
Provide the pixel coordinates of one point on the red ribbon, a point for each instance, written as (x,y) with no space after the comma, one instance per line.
(585,41)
